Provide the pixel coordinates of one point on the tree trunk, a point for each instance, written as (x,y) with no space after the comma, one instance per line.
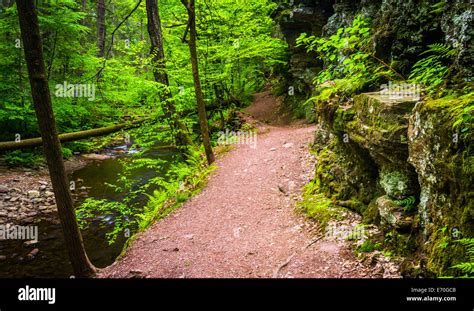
(159,71)
(35,142)
(40,92)
(100,27)
(197,82)
(84,9)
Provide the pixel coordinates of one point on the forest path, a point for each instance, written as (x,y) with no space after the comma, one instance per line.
(243,224)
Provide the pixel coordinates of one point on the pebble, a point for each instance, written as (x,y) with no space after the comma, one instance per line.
(28,220)
(189,236)
(33,194)
(30,243)
(32,254)
(4,189)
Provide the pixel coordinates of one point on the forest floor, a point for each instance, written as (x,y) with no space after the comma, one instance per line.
(244,223)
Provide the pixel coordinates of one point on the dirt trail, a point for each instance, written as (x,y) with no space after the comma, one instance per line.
(243,224)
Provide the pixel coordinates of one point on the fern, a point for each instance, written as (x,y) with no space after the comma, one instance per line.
(438,7)
(408,203)
(431,71)
(441,50)
(467,267)
(349,60)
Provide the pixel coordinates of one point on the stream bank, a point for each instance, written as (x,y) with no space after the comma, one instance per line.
(26,199)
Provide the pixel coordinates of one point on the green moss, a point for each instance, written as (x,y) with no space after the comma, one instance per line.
(443,253)
(371,214)
(448,182)
(399,244)
(318,207)
(341,117)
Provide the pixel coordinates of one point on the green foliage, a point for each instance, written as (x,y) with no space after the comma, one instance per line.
(431,70)
(407,203)
(21,158)
(121,213)
(236,50)
(184,180)
(66,152)
(467,267)
(349,60)
(369,246)
(465,120)
(161,194)
(346,52)
(438,7)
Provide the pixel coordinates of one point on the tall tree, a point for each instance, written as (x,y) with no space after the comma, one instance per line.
(100,27)
(190,7)
(84,9)
(159,71)
(30,34)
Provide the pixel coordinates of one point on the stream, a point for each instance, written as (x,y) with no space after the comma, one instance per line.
(52,259)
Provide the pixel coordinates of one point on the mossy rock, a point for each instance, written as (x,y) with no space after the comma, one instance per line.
(380,126)
(393,216)
(344,172)
(443,253)
(442,158)
(398,183)
(371,214)
(318,207)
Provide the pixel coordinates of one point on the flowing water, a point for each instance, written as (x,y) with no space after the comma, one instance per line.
(52,259)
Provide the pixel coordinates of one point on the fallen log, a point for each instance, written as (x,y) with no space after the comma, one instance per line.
(35,142)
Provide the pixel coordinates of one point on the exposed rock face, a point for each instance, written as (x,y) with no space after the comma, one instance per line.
(444,161)
(394,161)
(403,29)
(345,173)
(306,16)
(393,215)
(402,165)
(373,145)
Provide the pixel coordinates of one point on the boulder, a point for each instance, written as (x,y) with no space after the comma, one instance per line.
(441,154)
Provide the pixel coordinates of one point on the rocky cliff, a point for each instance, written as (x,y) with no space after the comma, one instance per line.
(403,29)
(400,162)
